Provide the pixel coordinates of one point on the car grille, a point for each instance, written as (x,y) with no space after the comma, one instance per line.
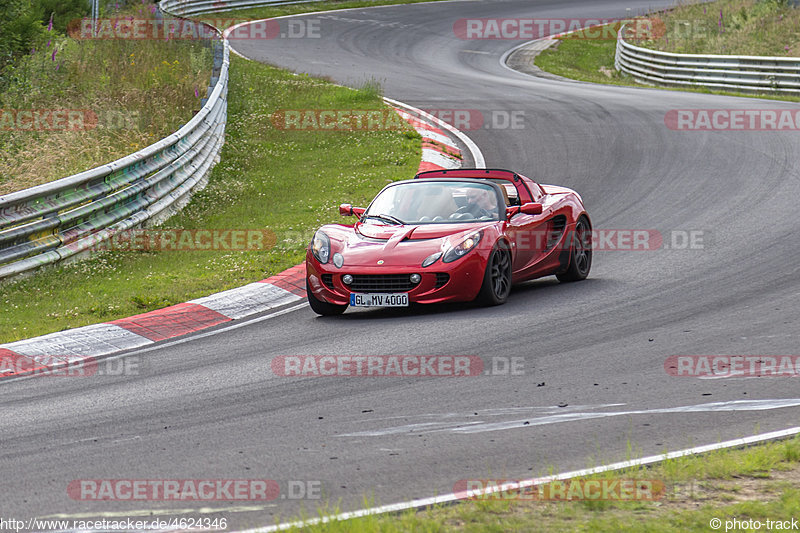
(327,279)
(381,283)
(441,279)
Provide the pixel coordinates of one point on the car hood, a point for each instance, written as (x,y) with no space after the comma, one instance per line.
(413,232)
(407,245)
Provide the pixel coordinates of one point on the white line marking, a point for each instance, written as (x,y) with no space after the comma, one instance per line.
(480,426)
(507,53)
(477,155)
(453,498)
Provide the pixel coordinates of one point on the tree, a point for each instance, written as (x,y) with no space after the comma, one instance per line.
(20,29)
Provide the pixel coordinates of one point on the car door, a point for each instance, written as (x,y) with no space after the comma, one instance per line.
(530,236)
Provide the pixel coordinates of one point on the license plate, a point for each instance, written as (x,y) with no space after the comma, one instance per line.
(379,300)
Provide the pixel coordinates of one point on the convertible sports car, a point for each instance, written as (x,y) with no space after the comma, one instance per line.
(448,236)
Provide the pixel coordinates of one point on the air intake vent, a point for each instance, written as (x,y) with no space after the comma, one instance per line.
(381,283)
(327,279)
(556,230)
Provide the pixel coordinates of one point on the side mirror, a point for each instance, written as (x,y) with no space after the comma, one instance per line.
(531,208)
(347,210)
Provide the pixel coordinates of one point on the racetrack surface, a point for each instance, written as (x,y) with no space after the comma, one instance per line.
(211,408)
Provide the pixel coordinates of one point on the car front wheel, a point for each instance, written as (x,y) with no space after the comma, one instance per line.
(497,278)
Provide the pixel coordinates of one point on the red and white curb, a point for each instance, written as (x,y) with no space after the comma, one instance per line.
(438,150)
(431,127)
(70,347)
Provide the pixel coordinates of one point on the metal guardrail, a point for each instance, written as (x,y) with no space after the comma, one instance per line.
(69,217)
(739,73)
(198,7)
(72,216)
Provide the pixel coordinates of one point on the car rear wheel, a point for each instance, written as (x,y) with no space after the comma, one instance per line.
(497,278)
(323,308)
(580,254)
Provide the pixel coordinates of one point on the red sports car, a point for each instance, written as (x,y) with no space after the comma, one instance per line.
(448,236)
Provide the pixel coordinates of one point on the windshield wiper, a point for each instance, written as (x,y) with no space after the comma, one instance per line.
(387,218)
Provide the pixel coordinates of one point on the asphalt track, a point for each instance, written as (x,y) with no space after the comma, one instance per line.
(211,408)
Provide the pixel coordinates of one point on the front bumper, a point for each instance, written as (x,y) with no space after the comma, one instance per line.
(464,283)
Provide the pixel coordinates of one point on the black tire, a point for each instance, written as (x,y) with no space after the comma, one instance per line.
(323,308)
(580,252)
(497,278)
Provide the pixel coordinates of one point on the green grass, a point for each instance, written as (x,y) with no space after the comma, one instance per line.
(733,27)
(287,181)
(136,92)
(759,483)
(585,60)
(592,60)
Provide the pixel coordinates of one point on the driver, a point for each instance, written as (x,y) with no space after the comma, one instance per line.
(480,203)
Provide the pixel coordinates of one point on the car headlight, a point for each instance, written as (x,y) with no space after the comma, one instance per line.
(321,247)
(470,242)
(431,259)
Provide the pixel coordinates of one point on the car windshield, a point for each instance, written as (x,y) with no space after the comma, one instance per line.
(432,202)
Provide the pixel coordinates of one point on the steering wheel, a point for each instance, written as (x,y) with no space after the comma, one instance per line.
(472,210)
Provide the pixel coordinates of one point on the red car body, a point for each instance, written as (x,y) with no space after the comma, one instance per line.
(536,231)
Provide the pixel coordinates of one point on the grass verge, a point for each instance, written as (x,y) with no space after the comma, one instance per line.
(756,483)
(127,94)
(287,181)
(592,60)
(734,27)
